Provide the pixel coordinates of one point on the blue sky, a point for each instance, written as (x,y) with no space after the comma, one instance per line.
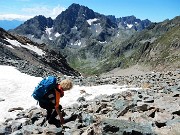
(154,10)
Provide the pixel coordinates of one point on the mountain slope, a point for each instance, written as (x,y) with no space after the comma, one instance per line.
(165,51)
(158,46)
(35,26)
(30,57)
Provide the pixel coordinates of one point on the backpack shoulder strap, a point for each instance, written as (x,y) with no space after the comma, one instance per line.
(60,90)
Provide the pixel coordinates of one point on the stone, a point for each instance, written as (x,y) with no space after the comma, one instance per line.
(32,129)
(122,127)
(1,99)
(168,130)
(81,99)
(53,131)
(167,102)
(15,108)
(2,130)
(15,125)
(143,107)
(87,119)
(161,118)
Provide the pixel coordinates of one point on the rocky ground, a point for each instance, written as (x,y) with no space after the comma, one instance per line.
(133,70)
(155,109)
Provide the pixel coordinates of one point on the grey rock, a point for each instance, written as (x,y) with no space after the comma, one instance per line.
(162,117)
(15,125)
(1,99)
(167,102)
(16,108)
(87,119)
(40,121)
(32,129)
(2,130)
(53,131)
(143,107)
(18,132)
(81,99)
(173,121)
(121,127)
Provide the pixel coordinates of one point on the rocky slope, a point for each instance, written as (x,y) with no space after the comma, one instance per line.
(30,57)
(152,110)
(156,47)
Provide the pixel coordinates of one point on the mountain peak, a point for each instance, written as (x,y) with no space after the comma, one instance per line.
(75,14)
(74,5)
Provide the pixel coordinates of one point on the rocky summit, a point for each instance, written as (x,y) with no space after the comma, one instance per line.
(152,110)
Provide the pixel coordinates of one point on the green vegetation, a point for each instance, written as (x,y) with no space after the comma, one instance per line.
(158,46)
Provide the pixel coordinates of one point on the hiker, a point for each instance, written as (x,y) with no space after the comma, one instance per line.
(54,97)
(50,99)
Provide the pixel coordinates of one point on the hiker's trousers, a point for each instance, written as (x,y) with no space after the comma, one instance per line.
(51,112)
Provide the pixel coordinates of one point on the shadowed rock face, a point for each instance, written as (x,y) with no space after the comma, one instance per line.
(148,111)
(121,127)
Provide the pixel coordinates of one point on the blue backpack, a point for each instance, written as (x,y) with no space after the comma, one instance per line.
(47,84)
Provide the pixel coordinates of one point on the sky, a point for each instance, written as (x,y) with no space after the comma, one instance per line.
(154,10)
(16,91)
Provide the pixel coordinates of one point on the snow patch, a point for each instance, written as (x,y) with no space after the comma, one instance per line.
(78,43)
(28,46)
(34,48)
(10,46)
(57,34)
(130,25)
(48,31)
(14,42)
(90,21)
(103,42)
(50,34)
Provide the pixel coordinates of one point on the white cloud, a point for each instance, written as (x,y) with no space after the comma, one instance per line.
(46,11)
(57,10)
(34,11)
(14,17)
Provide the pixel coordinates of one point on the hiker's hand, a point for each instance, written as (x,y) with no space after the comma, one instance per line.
(60,116)
(62,123)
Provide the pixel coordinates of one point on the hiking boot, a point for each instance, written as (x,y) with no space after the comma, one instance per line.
(55,122)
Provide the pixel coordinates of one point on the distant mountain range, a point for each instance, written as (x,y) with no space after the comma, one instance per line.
(10,24)
(94,43)
(76,25)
